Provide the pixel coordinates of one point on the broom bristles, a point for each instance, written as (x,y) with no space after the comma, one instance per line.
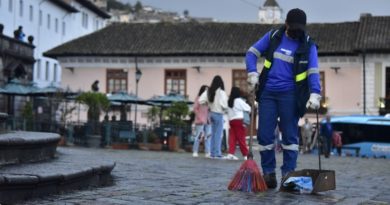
(248,178)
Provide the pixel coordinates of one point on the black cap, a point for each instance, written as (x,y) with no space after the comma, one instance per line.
(296,19)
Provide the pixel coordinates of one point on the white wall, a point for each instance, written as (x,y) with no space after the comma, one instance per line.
(46,37)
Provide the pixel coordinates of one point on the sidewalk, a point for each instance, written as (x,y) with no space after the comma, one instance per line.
(143,177)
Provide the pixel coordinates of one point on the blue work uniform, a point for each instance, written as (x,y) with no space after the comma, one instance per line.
(278,99)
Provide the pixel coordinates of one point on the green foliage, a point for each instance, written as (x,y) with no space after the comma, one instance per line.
(96,103)
(27,114)
(152,137)
(27,111)
(114,4)
(138,7)
(153,115)
(177,112)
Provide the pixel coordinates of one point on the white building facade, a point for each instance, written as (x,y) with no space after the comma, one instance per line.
(270,13)
(51,23)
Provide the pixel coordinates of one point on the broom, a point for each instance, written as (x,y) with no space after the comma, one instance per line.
(248,178)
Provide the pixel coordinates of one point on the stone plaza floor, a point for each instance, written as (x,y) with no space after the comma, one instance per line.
(147,177)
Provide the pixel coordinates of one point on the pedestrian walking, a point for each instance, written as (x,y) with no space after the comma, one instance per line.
(307,132)
(326,136)
(202,125)
(337,141)
(288,84)
(237,132)
(216,99)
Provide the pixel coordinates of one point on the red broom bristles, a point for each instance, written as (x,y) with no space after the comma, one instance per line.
(248,178)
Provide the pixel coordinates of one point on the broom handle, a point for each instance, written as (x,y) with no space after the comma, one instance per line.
(318,144)
(252,116)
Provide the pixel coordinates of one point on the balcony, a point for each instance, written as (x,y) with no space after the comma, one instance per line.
(16,48)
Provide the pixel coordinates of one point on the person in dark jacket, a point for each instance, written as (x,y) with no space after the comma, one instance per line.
(327,134)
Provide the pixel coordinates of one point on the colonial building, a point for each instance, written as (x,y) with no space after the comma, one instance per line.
(270,13)
(51,23)
(16,62)
(354,59)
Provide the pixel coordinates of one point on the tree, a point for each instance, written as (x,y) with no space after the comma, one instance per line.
(177,113)
(114,4)
(186,13)
(153,115)
(96,103)
(138,7)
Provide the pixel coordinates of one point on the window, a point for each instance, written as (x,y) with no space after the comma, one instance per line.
(116,80)
(63,28)
(40,17)
(84,20)
(38,69)
(47,70)
(21,8)
(56,25)
(239,80)
(48,21)
(55,72)
(96,24)
(10,5)
(387,78)
(175,81)
(31,14)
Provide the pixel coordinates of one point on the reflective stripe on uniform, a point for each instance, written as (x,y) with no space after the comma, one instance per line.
(254,51)
(301,76)
(293,147)
(283,57)
(312,71)
(266,147)
(267,63)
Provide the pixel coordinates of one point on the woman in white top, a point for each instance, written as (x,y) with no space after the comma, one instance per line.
(237,133)
(216,98)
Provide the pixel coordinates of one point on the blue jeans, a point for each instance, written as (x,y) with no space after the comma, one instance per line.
(205,131)
(274,105)
(216,135)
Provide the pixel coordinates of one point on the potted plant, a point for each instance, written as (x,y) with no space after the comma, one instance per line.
(153,141)
(176,117)
(96,102)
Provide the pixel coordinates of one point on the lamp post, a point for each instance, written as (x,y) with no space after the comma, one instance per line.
(138,75)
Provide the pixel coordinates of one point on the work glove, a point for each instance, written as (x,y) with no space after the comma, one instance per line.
(253,79)
(314,101)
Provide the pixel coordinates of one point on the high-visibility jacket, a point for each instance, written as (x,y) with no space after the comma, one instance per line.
(301,59)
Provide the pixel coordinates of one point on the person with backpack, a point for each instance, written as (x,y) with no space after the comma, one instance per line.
(288,84)
(237,134)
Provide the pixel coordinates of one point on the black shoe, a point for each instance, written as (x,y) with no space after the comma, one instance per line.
(270,180)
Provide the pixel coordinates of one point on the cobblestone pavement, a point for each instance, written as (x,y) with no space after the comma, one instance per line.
(145,177)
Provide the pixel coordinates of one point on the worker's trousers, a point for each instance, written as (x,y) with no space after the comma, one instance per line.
(274,105)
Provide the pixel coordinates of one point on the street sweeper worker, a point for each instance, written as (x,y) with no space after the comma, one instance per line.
(288,84)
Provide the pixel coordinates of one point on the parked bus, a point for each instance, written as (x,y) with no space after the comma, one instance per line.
(363,135)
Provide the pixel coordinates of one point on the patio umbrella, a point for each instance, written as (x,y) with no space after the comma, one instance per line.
(164,101)
(15,87)
(125,98)
(51,90)
(167,100)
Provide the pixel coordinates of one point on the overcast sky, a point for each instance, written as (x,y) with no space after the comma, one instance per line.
(247,10)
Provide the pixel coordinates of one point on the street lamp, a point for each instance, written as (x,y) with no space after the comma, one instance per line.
(138,75)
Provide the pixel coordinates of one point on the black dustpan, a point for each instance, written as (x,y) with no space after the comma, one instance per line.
(323,180)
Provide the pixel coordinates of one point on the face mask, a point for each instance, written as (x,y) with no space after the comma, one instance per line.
(295,34)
